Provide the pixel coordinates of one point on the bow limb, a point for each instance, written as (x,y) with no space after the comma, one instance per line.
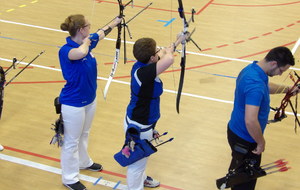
(117,53)
(183,54)
(2,81)
(123,25)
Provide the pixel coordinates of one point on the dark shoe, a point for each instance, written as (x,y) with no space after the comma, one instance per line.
(95,167)
(76,186)
(149,182)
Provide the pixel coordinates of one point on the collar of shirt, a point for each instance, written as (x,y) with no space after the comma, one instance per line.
(71,43)
(261,72)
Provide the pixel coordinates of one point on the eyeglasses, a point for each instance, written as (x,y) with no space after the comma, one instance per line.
(87,25)
(157,50)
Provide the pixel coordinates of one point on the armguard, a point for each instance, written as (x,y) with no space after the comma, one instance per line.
(107,31)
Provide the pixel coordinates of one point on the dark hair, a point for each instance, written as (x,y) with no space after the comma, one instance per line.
(282,55)
(143,49)
(73,23)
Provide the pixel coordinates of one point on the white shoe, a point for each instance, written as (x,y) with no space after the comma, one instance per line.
(150,182)
(1,147)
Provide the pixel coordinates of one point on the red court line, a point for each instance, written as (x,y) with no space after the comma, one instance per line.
(168,10)
(205,6)
(58,160)
(252,38)
(31,153)
(38,82)
(208,49)
(279,29)
(290,25)
(224,45)
(187,68)
(271,5)
(238,42)
(225,61)
(268,33)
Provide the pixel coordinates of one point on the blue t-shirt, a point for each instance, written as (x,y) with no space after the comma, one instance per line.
(146,88)
(252,89)
(80,76)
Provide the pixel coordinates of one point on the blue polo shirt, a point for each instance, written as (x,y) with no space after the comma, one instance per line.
(146,88)
(251,88)
(80,76)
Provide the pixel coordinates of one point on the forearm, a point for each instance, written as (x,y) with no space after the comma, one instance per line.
(277,88)
(80,52)
(255,131)
(102,32)
(164,63)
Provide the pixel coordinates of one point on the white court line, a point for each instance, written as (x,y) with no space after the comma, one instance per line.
(58,171)
(122,82)
(128,42)
(127,83)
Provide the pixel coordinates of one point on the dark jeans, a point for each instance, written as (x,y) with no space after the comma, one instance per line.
(241,150)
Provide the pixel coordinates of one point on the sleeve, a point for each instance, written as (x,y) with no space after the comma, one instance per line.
(94,37)
(64,52)
(147,74)
(254,95)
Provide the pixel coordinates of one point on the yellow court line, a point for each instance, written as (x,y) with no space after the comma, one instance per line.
(9,10)
(33,1)
(22,6)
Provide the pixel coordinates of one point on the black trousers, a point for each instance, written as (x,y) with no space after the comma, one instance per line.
(241,150)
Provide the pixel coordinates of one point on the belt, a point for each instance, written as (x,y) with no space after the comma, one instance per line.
(145,129)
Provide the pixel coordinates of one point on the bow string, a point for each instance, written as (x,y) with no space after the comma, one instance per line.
(280,111)
(121,26)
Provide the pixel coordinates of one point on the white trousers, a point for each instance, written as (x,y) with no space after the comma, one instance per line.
(136,172)
(74,155)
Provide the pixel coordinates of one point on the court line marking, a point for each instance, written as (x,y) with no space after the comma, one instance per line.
(129,42)
(58,160)
(127,83)
(266,5)
(20,161)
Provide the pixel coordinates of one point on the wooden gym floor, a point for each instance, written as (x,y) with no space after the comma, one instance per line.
(231,33)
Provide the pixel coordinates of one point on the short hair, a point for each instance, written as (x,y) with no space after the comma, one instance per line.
(282,55)
(143,49)
(73,23)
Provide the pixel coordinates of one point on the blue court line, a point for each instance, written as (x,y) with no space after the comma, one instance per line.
(28,41)
(97,181)
(223,75)
(167,22)
(118,183)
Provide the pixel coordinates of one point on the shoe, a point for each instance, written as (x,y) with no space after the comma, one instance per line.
(76,186)
(95,167)
(1,147)
(149,182)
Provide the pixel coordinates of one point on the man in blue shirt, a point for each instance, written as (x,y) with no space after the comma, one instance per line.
(251,108)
